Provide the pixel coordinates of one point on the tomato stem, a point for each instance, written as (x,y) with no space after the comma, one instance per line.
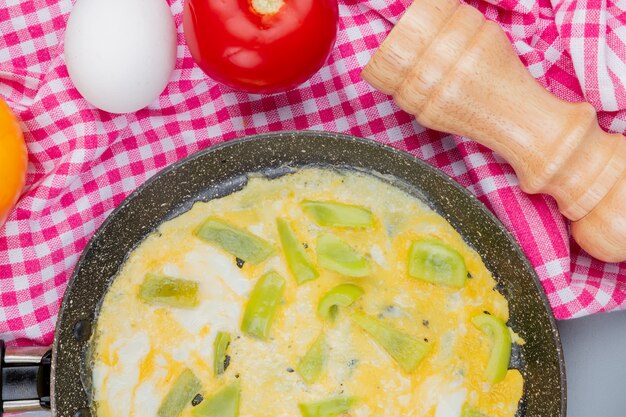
(266,7)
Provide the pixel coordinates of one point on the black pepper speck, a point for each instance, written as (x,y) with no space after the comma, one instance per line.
(197,400)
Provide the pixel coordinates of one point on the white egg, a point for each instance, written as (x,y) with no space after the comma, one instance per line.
(120,54)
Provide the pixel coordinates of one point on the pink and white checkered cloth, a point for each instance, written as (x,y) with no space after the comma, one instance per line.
(84,162)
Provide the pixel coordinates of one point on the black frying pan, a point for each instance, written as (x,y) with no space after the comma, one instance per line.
(221,170)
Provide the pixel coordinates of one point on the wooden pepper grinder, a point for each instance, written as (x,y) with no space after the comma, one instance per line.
(457,72)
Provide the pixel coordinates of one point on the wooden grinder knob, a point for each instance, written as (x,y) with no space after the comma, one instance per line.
(457,72)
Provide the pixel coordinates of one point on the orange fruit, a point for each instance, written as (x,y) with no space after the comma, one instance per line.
(13,161)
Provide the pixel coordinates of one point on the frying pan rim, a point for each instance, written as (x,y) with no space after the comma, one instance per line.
(335,135)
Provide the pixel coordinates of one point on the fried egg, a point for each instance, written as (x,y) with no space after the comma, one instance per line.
(139,349)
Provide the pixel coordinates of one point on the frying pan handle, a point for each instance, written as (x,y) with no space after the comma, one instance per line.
(457,72)
(25,383)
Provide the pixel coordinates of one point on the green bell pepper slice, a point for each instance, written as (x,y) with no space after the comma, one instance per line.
(185,387)
(238,242)
(313,362)
(498,332)
(297,260)
(335,254)
(327,408)
(331,214)
(220,345)
(471,412)
(168,291)
(406,350)
(341,296)
(225,403)
(261,307)
(435,262)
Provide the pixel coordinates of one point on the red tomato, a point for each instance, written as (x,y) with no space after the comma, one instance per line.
(236,44)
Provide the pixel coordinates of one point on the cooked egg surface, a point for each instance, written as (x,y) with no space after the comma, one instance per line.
(140,349)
